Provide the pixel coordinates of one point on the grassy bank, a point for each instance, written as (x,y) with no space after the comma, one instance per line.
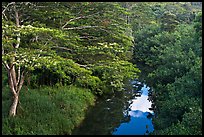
(45,111)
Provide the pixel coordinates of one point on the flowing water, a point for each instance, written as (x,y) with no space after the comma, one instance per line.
(127,113)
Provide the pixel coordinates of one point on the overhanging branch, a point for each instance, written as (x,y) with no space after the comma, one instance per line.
(77,18)
(81,27)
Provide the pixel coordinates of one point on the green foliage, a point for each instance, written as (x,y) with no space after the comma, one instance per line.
(143,42)
(184,11)
(168,21)
(113,74)
(89,45)
(100,78)
(173,51)
(198,26)
(141,16)
(90,82)
(190,124)
(56,46)
(182,75)
(47,111)
(53,70)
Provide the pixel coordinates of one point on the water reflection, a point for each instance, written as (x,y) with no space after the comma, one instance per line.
(103,117)
(140,115)
(126,113)
(139,124)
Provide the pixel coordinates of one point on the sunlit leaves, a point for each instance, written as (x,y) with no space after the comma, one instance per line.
(114,73)
(53,42)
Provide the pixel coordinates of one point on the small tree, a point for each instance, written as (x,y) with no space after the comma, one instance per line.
(18,55)
(9,51)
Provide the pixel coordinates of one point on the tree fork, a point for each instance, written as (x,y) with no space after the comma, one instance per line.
(15,84)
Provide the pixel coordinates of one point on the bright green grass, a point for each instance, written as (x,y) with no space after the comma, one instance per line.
(46,111)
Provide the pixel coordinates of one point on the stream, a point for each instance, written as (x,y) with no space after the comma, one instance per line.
(126,113)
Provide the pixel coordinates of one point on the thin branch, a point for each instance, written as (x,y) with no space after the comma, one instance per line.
(70,21)
(7,7)
(2,49)
(17,25)
(90,38)
(21,82)
(4,16)
(19,73)
(6,65)
(48,41)
(27,3)
(84,66)
(81,27)
(81,17)
(86,37)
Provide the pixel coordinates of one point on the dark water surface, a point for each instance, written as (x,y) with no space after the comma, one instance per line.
(127,113)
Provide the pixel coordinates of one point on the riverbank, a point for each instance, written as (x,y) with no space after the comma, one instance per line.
(46,111)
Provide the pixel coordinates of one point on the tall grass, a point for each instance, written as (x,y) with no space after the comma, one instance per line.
(46,111)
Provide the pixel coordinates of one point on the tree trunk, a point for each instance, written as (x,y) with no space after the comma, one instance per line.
(15,89)
(13,108)
(15,84)
(15,80)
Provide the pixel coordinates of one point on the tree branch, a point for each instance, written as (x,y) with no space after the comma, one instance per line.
(71,20)
(81,17)
(21,82)
(2,49)
(17,25)
(7,7)
(81,27)
(84,66)
(19,73)
(6,65)
(48,41)
(64,48)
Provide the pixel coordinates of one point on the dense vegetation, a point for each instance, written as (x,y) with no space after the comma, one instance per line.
(59,57)
(171,47)
(46,111)
(61,54)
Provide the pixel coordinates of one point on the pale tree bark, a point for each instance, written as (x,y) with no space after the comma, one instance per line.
(15,78)
(15,92)
(12,73)
(81,27)
(15,85)
(13,108)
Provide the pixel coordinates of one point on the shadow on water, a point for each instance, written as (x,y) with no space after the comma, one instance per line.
(127,113)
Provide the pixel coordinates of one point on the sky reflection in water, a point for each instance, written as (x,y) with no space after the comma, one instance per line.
(139,123)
